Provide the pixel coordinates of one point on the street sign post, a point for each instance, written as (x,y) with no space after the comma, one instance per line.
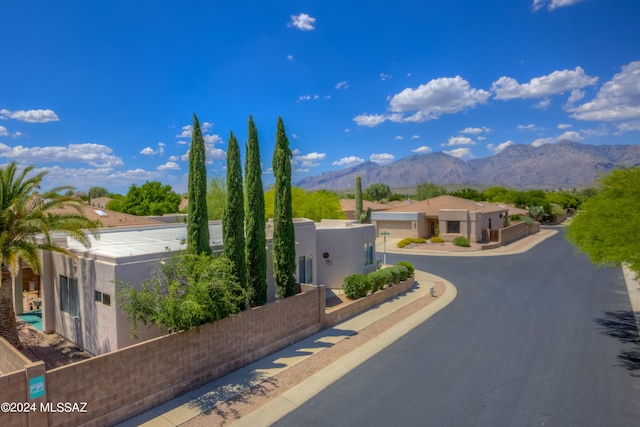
(385,234)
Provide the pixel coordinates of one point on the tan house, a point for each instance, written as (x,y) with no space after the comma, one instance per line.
(446,216)
(349,207)
(78,296)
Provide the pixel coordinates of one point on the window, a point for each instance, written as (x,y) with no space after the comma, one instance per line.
(368,253)
(102,298)
(305,269)
(453,227)
(69,296)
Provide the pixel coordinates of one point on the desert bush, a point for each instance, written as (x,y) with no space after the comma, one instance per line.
(437,239)
(378,280)
(462,241)
(408,265)
(528,220)
(409,240)
(388,277)
(395,271)
(356,286)
(404,272)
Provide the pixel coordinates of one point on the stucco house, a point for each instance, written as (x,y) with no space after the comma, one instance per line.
(446,216)
(78,296)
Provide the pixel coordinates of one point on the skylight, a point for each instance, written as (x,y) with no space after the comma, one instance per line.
(100,212)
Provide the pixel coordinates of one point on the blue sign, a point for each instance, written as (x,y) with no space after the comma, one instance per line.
(36,387)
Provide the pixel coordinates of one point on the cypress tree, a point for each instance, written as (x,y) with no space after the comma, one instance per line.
(256,239)
(197,219)
(284,241)
(358,212)
(233,218)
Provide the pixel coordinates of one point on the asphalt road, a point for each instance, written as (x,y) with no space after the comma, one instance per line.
(536,339)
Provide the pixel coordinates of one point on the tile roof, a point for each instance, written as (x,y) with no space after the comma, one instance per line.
(432,206)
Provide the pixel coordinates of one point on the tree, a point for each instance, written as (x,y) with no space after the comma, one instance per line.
(23,215)
(468,193)
(233,220)
(187,291)
(197,220)
(427,190)
(322,204)
(151,198)
(256,239)
(607,226)
(95,192)
(378,191)
(358,211)
(298,197)
(284,241)
(216,197)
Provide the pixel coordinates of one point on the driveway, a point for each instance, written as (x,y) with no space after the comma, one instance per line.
(539,338)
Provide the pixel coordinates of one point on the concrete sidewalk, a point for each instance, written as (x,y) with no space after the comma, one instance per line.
(203,399)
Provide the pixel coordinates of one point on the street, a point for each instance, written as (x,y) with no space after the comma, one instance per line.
(539,338)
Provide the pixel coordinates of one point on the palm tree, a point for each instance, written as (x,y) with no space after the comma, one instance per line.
(25,215)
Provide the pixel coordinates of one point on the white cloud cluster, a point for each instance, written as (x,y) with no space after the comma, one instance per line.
(617,99)
(4,131)
(303,22)
(385,76)
(552,4)
(382,158)
(530,126)
(421,149)
(169,166)
(309,160)
(459,140)
(30,116)
(475,131)
(461,153)
(341,85)
(495,149)
(570,135)
(348,161)
(557,82)
(99,156)
(429,101)
(148,151)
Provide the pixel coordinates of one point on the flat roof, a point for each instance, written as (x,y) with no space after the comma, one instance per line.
(122,242)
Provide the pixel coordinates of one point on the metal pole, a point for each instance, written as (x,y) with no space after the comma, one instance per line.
(384,261)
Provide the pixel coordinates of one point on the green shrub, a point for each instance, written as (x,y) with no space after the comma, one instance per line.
(356,286)
(386,274)
(437,239)
(528,220)
(409,266)
(515,217)
(404,272)
(378,280)
(395,271)
(462,241)
(409,240)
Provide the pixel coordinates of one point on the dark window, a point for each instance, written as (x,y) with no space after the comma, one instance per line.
(69,296)
(453,227)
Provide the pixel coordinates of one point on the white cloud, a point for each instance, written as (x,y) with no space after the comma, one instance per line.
(542,141)
(347,130)
(558,82)
(310,160)
(206,126)
(439,96)
(530,126)
(99,156)
(309,97)
(629,126)
(461,153)
(415,137)
(95,176)
(385,76)
(617,99)
(169,166)
(553,4)
(301,170)
(341,85)
(543,104)
(570,135)
(474,131)
(302,22)
(212,139)
(348,161)
(422,149)
(148,151)
(211,152)
(564,126)
(398,138)
(481,138)
(30,116)
(382,158)
(369,120)
(459,140)
(290,57)
(187,131)
(576,95)
(500,147)
(3,131)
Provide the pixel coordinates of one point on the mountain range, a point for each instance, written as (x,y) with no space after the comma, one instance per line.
(566,164)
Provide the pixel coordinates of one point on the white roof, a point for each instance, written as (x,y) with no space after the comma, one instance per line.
(122,242)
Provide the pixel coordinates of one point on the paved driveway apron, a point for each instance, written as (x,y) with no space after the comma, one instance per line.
(536,339)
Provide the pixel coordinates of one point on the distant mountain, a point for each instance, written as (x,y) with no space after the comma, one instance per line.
(566,164)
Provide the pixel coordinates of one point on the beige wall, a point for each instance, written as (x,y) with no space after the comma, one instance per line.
(343,242)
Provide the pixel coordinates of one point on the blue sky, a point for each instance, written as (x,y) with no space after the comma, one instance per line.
(103,93)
